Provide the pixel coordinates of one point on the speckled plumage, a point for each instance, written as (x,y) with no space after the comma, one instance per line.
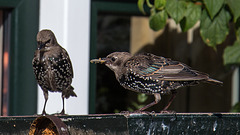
(52,67)
(151,74)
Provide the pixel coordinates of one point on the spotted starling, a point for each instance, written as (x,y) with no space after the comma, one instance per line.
(52,67)
(151,74)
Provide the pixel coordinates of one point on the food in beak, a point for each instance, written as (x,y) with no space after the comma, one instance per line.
(100,60)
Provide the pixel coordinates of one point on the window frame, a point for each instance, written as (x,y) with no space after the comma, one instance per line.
(123,8)
(23,23)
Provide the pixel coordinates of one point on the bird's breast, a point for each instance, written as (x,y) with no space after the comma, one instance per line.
(143,84)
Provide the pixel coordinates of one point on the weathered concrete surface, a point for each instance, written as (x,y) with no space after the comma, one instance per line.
(135,123)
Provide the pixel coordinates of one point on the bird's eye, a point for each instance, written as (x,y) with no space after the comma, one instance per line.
(113,59)
(48,41)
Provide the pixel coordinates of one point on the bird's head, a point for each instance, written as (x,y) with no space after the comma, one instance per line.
(45,39)
(113,60)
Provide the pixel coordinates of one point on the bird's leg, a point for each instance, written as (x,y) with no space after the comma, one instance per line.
(157,99)
(46,99)
(63,110)
(171,100)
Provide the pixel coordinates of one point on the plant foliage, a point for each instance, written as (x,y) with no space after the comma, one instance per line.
(214,17)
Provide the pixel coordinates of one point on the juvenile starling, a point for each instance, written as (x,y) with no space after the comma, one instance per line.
(52,67)
(151,74)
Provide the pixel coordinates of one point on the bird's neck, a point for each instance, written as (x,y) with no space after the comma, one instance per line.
(119,73)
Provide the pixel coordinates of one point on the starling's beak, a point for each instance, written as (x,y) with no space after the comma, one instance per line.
(100,60)
(41,45)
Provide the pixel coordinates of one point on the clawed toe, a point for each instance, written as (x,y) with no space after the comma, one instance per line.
(44,113)
(137,112)
(167,112)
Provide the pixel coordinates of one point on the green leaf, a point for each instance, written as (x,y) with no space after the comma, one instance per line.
(130,109)
(158,20)
(236,108)
(142,97)
(176,9)
(137,106)
(234,6)
(149,4)
(159,4)
(231,54)
(237,23)
(192,15)
(213,6)
(116,111)
(140,6)
(214,31)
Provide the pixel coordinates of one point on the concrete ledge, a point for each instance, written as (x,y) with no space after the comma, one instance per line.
(133,124)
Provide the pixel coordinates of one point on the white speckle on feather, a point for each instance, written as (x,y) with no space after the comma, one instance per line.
(63,129)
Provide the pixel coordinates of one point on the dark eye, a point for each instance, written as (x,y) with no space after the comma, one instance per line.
(48,41)
(113,58)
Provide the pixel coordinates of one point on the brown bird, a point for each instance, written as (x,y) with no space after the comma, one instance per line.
(52,67)
(151,74)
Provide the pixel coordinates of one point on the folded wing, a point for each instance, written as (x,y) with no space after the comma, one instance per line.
(161,68)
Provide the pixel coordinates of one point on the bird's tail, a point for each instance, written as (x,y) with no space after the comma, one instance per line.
(213,81)
(69,92)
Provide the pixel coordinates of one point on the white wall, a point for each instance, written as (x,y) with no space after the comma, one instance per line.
(70,21)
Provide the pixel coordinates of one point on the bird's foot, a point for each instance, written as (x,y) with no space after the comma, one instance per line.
(167,112)
(134,112)
(144,112)
(62,113)
(44,112)
(59,114)
(125,112)
(137,112)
